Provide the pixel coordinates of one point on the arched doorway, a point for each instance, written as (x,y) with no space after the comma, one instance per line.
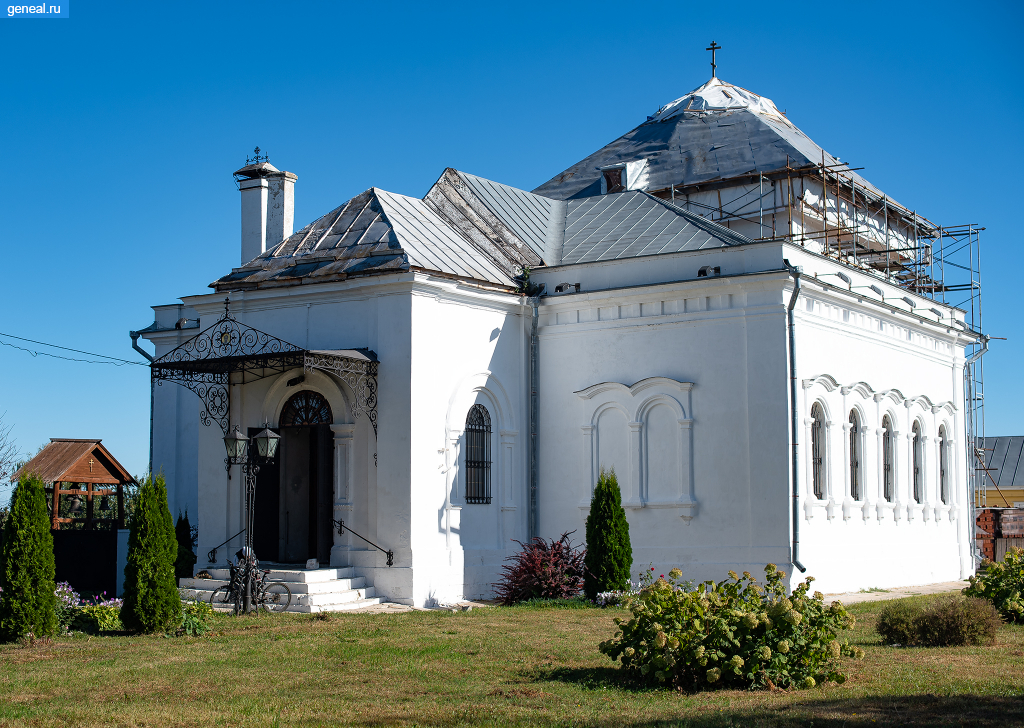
(296,497)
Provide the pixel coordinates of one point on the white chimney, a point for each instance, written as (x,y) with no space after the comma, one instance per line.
(280,207)
(268,206)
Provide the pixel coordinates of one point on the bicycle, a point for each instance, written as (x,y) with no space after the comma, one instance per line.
(273,596)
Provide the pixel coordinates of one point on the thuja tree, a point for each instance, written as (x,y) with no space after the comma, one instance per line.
(151,600)
(186,556)
(609,553)
(28,603)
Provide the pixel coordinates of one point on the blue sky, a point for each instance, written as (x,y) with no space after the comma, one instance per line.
(121,126)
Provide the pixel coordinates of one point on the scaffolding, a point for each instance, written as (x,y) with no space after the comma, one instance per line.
(830,209)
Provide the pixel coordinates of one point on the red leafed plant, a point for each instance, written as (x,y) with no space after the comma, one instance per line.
(542,570)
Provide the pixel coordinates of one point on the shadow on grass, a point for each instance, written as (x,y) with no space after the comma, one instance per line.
(807,709)
(916,710)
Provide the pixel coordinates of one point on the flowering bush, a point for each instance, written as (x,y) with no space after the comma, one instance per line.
(542,570)
(67,606)
(1002,583)
(195,617)
(735,633)
(99,615)
(613,598)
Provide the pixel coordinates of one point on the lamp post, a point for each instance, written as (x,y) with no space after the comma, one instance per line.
(239,452)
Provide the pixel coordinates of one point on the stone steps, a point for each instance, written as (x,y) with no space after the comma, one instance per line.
(314,590)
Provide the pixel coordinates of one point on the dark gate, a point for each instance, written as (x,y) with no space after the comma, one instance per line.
(87,560)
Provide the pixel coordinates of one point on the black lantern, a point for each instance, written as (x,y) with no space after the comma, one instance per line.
(266,443)
(235,443)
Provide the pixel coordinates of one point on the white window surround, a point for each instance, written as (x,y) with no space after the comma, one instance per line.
(833,397)
(636,402)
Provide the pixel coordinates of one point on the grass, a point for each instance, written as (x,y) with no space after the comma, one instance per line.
(525,665)
(874,590)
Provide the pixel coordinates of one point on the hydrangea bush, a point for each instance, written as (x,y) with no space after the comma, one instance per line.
(1002,583)
(734,633)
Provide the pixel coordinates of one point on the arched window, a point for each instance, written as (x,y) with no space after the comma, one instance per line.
(818,450)
(887,465)
(478,455)
(306,408)
(854,455)
(943,455)
(916,455)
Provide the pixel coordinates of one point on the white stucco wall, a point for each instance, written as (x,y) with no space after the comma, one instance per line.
(679,382)
(468,348)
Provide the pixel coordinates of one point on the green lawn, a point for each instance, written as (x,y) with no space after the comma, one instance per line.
(499,666)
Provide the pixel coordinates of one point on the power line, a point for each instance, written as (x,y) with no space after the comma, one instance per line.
(113,359)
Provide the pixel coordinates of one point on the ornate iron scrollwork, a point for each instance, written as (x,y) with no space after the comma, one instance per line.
(359,374)
(206,362)
(212,389)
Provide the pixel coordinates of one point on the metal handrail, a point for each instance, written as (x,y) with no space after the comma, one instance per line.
(211,555)
(341,532)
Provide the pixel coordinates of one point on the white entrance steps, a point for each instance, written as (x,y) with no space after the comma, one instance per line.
(313,590)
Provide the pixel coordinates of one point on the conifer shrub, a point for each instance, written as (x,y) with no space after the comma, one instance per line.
(151,600)
(185,537)
(734,633)
(542,570)
(28,602)
(949,621)
(609,553)
(1002,583)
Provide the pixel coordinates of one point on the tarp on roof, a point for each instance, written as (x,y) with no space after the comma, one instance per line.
(716,132)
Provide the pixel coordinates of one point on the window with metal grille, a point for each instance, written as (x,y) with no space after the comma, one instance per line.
(854,455)
(478,455)
(818,450)
(943,454)
(887,469)
(916,448)
(306,408)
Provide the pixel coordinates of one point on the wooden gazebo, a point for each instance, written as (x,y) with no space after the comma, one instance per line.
(82,470)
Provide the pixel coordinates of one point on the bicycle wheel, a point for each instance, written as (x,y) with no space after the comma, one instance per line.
(276,597)
(222,597)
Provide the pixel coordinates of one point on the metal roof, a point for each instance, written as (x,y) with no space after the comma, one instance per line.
(433,244)
(716,132)
(535,219)
(473,228)
(631,224)
(1005,460)
(61,455)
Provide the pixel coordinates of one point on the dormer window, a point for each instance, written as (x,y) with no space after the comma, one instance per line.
(623,176)
(613,180)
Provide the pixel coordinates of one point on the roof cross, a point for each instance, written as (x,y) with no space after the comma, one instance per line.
(91,461)
(714,47)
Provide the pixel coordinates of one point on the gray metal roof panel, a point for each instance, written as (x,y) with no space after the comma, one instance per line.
(630,224)
(432,243)
(1005,459)
(533,218)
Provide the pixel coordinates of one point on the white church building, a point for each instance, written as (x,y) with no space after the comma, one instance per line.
(731,318)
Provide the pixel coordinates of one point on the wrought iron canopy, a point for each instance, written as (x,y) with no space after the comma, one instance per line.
(206,362)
